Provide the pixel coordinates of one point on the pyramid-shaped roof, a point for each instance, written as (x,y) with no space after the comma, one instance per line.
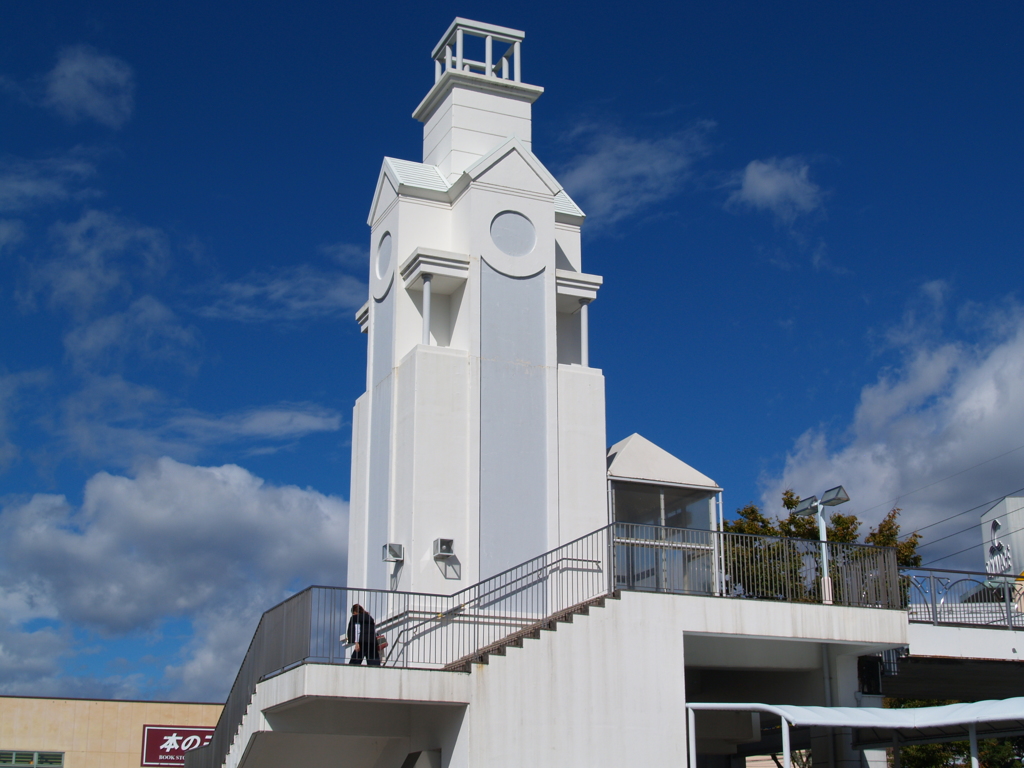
(637,458)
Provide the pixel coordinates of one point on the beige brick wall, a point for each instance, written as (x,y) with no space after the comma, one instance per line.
(92,733)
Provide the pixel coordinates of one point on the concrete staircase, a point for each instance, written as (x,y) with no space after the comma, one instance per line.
(531,632)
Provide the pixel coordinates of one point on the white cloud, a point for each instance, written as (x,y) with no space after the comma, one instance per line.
(147,329)
(347,255)
(95,257)
(267,423)
(25,184)
(85,84)
(937,422)
(113,420)
(28,657)
(295,294)
(780,186)
(214,545)
(614,175)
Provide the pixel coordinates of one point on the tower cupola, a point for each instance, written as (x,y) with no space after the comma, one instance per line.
(475,103)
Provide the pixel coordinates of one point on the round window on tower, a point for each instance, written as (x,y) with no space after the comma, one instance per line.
(384,256)
(513,233)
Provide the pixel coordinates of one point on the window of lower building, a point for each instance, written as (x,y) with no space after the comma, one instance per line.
(25,758)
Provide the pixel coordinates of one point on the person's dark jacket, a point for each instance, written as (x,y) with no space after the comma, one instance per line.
(367,634)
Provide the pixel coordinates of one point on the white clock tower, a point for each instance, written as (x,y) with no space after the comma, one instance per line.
(480,440)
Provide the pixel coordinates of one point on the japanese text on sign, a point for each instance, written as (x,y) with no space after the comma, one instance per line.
(167,744)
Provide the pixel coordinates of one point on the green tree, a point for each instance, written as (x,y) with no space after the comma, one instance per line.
(751,521)
(776,568)
(887,534)
(839,528)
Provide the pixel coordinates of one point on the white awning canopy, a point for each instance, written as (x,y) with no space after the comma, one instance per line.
(917,718)
(879,728)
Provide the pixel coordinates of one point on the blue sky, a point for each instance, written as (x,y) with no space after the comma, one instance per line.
(808,217)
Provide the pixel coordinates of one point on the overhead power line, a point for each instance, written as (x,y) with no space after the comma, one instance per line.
(895,499)
(962,530)
(968,549)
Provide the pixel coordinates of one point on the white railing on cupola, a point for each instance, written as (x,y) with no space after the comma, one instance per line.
(450,53)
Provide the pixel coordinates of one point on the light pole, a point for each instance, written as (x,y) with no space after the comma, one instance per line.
(833,497)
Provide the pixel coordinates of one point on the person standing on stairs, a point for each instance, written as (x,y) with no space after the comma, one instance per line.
(362,632)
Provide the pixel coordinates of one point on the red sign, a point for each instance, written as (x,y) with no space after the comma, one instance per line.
(167,744)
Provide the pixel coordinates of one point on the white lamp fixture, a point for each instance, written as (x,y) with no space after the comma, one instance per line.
(833,497)
(444,548)
(807,507)
(393,553)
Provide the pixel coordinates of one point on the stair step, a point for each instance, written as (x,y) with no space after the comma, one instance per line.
(533,632)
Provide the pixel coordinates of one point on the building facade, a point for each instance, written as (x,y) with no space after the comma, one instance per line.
(536,598)
(95,733)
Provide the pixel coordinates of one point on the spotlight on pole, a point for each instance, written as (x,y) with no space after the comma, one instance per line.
(833,497)
(807,507)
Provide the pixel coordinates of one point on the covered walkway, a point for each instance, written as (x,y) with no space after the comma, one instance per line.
(876,728)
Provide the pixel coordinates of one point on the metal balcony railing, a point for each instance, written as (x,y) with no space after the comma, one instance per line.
(685,561)
(426,631)
(963,598)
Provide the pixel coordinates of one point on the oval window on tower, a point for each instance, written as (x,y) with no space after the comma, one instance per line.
(384,255)
(513,233)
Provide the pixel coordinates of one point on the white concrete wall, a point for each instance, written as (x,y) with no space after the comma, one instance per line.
(469,124)
(752,619)
(568,238)
(432,459)
(965,642)
(586,695)
(582,505)
(514,420)
(358,546)
(379,447)
(343,695)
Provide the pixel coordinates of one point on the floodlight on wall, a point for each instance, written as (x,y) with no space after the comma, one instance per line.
(833,497)
(444,548)
(393,553)
(807,507)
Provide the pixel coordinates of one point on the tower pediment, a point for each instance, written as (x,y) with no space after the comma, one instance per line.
(514,167)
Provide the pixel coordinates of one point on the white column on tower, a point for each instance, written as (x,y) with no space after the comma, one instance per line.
(426,309)
(584,334)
